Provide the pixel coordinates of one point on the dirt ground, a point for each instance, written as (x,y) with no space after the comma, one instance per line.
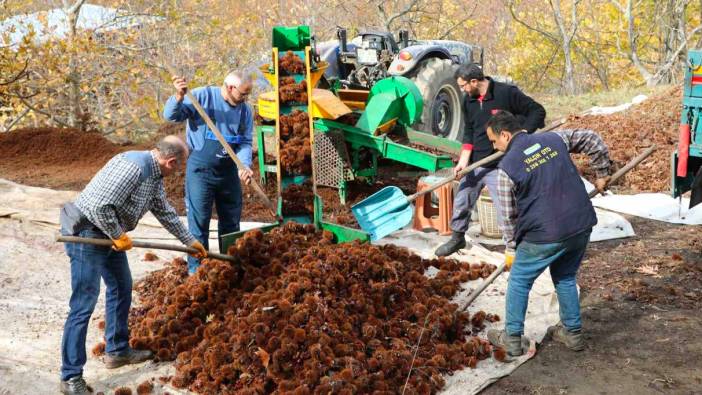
(641,299)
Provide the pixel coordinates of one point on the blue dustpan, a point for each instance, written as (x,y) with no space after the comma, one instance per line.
(383,212)
(389,209)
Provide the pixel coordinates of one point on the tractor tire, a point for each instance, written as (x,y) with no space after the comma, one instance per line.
(442,114)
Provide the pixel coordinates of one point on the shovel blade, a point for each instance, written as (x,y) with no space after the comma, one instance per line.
(383,212)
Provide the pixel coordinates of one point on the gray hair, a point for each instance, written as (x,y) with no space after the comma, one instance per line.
(172,147)
(237,78)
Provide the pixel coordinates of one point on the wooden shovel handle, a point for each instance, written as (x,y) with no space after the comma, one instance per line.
(495,156)
(621,172)
(142,244)
(257,188)
(433,187)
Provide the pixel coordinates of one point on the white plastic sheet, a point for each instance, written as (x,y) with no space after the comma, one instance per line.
(657,206)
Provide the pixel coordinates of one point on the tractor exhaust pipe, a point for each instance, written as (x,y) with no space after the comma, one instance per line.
(341,34)
(404,38)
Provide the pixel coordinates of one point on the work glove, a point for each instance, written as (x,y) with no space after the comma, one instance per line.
(509,259)
(201,251)
(123,243)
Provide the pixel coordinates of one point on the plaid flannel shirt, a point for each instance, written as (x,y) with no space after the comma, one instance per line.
(577,141)
(117,198)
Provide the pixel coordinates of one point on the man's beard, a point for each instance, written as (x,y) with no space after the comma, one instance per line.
(474,92)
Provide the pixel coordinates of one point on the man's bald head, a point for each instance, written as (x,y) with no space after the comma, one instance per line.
(172,147)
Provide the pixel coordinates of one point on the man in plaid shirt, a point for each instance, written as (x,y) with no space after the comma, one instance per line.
(112,204)
(548,218)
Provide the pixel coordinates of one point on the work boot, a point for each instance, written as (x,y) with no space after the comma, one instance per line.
(75,386)
(455,243)
(130,357)
(514,345)
(573,340)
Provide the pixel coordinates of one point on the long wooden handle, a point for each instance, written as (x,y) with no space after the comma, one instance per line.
(257,188)
(142,244)
(433,187)
(496,155)
(621,172)
(616,176)
(482,287)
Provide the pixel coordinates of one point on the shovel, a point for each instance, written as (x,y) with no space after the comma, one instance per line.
(389,209)
(142,244)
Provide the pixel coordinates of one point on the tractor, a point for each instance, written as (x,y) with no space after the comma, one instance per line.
(371,56)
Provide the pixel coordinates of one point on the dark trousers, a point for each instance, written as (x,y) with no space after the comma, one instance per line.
(203,187)
(468,193)
(88,264)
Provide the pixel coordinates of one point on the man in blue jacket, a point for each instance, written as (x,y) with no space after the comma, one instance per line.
(484,98)
(211,175)
(548,217)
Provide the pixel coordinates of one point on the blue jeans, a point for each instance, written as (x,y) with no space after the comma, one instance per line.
(88,264)
(467,195)
(204,186)
(563,259)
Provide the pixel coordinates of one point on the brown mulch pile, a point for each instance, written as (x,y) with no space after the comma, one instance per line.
(54,157)
(299,313)
(67,159)
(628,133)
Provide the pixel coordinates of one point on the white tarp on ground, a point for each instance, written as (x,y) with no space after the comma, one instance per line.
(35,288)
(597,110)
(609,226)
(657,206)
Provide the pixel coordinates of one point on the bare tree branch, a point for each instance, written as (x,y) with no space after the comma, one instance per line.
(390,19)
(72,8)
(549,36)
(131,122)
(20,74)
(462,21)
(673,57)
(46,114)
(18,118)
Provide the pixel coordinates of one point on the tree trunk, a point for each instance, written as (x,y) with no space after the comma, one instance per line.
(567,35)
(76,119)
(673,37)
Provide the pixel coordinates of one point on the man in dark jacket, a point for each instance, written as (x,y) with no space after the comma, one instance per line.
(484,98)
(548,217)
